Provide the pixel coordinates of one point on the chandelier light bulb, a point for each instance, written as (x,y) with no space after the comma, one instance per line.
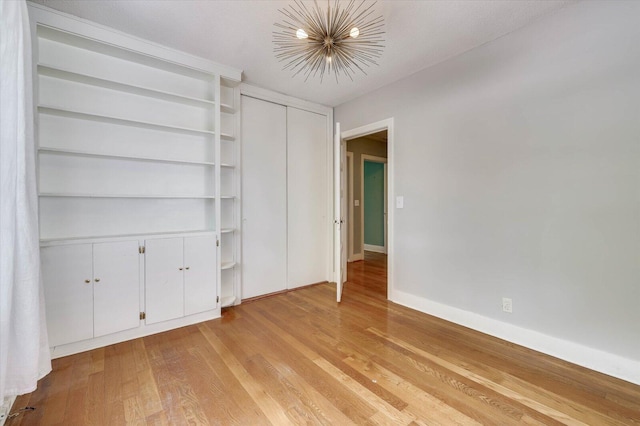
(355,32)
(302,34)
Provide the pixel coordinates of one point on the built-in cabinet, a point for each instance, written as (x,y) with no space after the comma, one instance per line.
(137,146)
(179,277)
(91,290)
(286,191)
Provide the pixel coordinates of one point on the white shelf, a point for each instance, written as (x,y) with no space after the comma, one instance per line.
(114,51)
(227,301)
(227,108)
(227,230)
(227,265)
(64,112)
(68,195)
(57,72)
(122,157)
(100,238)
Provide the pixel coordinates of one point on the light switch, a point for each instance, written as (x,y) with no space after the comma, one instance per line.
(356,203)
(399,202)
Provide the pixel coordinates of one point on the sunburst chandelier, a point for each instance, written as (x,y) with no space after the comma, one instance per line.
(337,40)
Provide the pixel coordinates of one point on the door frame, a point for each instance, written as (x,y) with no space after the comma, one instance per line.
(381,160)
(388,125)
(350,199)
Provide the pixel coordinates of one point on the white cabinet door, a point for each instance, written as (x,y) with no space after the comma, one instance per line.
(264,197)
(68,289)
(307,180)
(200,289)
(116,287)
(164,286)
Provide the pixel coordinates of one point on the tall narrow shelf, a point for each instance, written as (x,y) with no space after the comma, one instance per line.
(230,272)
(130,139)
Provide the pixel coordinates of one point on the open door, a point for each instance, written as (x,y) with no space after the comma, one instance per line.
(339,233)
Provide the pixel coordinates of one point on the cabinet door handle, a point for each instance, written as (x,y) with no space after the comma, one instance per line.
(97,280)
(187,268)
(180,269)
(87,281)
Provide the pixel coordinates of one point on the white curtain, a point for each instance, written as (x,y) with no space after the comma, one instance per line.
(24,348)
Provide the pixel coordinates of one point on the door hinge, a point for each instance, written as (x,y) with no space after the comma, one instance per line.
(141,249)
(217,243)
(217,299)
(143,315)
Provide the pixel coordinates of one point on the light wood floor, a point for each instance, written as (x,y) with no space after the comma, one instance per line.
(299,358)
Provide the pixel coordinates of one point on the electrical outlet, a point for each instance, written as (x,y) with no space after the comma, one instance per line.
(507,305)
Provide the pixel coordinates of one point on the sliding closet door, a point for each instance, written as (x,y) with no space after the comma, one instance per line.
(264,197)
(307,197)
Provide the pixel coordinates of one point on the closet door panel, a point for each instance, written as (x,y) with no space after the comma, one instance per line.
(264,197)
(307,181)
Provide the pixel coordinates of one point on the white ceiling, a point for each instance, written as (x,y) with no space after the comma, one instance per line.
(239,34)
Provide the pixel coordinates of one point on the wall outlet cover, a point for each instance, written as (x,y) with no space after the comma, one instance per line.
(507,305)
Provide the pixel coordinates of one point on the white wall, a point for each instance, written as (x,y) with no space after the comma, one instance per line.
(519,162)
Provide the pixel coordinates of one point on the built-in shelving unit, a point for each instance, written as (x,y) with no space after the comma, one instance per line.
(137,142)
(230,272)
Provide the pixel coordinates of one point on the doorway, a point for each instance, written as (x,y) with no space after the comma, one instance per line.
(373,211)
(370,147)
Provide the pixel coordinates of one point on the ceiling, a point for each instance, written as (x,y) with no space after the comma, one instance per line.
(238,33)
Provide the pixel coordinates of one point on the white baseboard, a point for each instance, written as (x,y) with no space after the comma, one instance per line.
(356,257)
(594,359)
(5,408)
(134,333)
(377,249)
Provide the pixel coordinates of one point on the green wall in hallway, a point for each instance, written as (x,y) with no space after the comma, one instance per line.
(374,203)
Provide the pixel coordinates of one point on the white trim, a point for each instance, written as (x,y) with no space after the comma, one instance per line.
(350,221)
(376,249)
(357,257)
(367,129)
(134,333)
(375,159)
(329,193)
(279,98)
(594,359)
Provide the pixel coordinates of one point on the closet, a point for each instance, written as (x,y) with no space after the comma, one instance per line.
(286,158)
(138,183)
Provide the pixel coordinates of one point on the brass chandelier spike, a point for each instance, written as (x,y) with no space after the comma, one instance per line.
(338,40)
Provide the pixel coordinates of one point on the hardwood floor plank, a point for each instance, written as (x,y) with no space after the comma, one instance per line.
(147,388)
(260,396)
(423,405)
(541,408)
(301,359)
(386,413)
